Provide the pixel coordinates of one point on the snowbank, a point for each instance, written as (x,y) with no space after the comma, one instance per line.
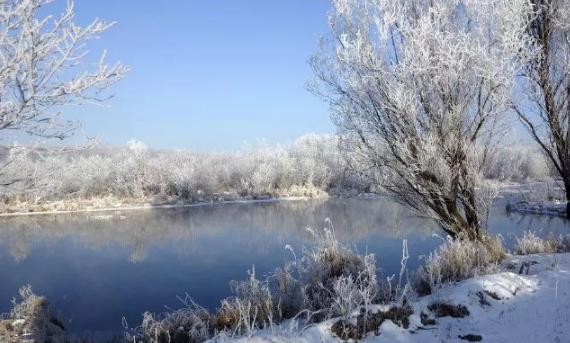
(533,306)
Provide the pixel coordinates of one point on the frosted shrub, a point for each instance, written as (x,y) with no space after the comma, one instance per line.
(312,167)
(287,290)
(190,324)
(250,309)
(352,293)
(458,260)
(329,280)
(328,262)
(32,319)
(318,160)
(530,243)
(138,148)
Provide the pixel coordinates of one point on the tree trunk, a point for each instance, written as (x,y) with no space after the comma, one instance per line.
(461,228)
(567,203)
(567,191)
(456,222)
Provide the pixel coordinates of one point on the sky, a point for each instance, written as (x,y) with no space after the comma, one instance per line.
(207,75)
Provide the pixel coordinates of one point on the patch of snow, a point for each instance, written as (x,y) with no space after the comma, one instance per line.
(18,322)
(504,307)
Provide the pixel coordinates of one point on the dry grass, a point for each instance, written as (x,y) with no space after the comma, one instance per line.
(250,309)
(530,243)
(32,319)
(346,330)
(458,260)
(191,324)
(329,280)
(448,310)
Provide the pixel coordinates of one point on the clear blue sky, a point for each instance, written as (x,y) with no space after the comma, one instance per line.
(210,74)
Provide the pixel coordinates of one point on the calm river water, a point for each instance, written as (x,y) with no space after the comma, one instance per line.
(100,267)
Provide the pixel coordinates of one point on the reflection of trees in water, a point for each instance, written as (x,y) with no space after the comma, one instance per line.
(19,249)
(251,225)
(534,222)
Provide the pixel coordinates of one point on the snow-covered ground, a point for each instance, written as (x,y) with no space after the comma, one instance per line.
(553,208)
(503,307)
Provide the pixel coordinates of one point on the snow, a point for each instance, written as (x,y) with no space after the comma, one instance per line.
(554,208)
(533,307)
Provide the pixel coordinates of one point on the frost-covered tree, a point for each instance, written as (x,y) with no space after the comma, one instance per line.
(43,67)
(418,89)
(544,106)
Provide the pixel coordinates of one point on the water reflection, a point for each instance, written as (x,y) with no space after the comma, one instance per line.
(260,222)
(512,225)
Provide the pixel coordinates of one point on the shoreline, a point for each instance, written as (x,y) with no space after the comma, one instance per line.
(149,206)
(90,205)
(534,300)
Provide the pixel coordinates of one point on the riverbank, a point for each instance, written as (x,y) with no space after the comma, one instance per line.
(108,203)
(111,203)
(330,292)
(527,300)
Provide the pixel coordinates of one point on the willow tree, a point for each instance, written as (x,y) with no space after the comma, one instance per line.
(418,89)
(544,106)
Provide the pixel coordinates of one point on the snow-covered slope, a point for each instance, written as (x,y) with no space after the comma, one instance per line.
(503,307)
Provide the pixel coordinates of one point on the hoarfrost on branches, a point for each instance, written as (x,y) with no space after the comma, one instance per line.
(418,89)
(43,68)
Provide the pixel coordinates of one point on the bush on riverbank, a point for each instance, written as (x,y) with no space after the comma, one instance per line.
(189,324)
(458,260)
(530,243)
(326,281)
(32,319)
(332,279)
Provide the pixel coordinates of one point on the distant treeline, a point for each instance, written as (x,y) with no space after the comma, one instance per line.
(313,165)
